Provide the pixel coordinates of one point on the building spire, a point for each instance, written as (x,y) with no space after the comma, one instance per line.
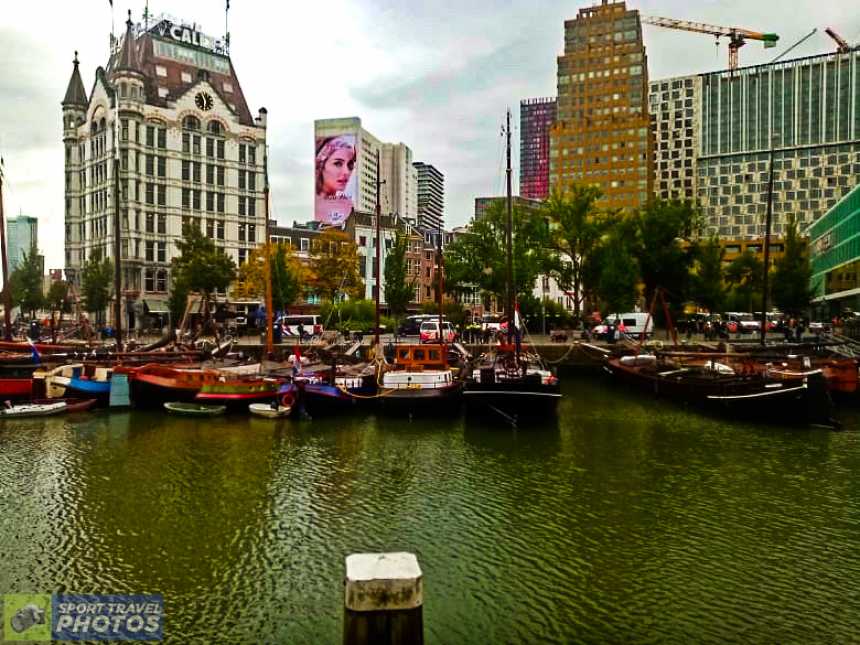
(128,56)
(75,93)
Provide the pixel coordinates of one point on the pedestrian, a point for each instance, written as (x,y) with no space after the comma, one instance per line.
(301,332)
(799,331)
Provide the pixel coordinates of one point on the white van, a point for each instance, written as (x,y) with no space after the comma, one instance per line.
(633,322)
(311,325)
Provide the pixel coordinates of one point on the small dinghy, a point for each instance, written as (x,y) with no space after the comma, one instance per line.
(194,409)
(266,410)
(34,410)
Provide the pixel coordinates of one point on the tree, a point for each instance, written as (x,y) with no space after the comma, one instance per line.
(202,266)
(619,277)
(791,279)
(707,287)
(58,300)
(578,227)
(334,266)
(96,278)
(399,286)
(289,276)
(746,275)
(661,230)
(479,256)
(26,283)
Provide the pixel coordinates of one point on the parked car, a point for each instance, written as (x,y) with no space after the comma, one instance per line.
(491,323)
(411,325)
(430,332)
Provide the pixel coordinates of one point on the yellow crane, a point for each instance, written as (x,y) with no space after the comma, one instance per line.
(737,36)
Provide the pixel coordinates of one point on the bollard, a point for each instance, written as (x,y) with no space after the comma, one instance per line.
(383,599)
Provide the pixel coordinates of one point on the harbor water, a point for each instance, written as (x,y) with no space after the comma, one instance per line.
(627,520)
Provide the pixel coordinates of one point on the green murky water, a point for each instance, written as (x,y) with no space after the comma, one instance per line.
(628,521)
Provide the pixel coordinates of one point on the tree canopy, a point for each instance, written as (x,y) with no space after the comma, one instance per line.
(202,266)
(707,287)
(746,275)
(96,283)
(791,279)
(399,286)
(334,266)
(479,256)
(26,283)
(289,276)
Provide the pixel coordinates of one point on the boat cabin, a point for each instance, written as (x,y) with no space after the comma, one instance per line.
(417,358)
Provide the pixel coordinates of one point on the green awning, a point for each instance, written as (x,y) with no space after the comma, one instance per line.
(156,307)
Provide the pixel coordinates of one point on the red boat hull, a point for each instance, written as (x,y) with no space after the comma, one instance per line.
(16,388)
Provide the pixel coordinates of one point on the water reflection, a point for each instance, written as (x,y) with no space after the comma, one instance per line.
(627,520)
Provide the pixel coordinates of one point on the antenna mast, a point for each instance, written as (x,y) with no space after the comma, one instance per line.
(509,305)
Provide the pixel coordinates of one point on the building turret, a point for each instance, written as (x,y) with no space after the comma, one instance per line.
(126,74)
(75,102)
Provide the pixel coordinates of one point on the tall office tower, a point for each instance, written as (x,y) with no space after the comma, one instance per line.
(190,153)
(431,197)
(400,194)
(809,110)
(536,119)
(23,235)
(676,124)
(602,134)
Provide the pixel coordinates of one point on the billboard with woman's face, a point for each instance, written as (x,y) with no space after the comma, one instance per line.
(336,181)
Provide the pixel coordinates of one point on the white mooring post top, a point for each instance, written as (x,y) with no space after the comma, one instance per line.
(383,582)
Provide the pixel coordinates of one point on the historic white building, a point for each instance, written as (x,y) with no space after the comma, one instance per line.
(190,152)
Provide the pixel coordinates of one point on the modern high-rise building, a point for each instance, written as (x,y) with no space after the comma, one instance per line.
(676,125)
(536,119)
(22,233)
(190,153)
(431,196)
(602,134)
(398,193)
(808,109)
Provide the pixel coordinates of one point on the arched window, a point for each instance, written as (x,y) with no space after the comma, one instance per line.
(215,127)
(191,123)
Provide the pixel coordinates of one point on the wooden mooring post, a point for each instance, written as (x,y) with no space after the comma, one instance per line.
(383,599)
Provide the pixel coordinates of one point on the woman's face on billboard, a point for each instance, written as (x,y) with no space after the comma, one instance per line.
(337,171)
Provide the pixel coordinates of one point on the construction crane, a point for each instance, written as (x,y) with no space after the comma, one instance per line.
(737,36)
(842,45)
(795,45)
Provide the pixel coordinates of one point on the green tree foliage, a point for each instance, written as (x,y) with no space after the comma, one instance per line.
(745,275)
(58,300)
(578,228)
(619,276)
(479,257)
(26,283)
(96,282)
(177,302)
(399,286)
(707,287)
(791,279)
(334,266)
(661,229)
(202,266)
(288,276)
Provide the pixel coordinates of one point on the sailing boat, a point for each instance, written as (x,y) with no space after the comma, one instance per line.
(508,380)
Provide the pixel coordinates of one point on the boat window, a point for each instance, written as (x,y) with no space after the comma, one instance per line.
(404,353)
(434,354)
(418,355)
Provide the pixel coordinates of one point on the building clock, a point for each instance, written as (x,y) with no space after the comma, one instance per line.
(204,101)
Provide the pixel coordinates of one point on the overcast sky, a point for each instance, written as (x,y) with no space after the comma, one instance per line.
(437,76)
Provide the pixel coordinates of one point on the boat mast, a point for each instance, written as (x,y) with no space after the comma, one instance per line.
(117,227)
(439,277)
(7,293)
(509,305)
(378,246)
(268,251)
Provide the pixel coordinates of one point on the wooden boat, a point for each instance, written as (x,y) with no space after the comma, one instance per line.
(793,397)
(516,385)
(194,409)
(270,411)
(79,380)
(154,384)
(421,377)
(34,410)
(239,392)
(16,388)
